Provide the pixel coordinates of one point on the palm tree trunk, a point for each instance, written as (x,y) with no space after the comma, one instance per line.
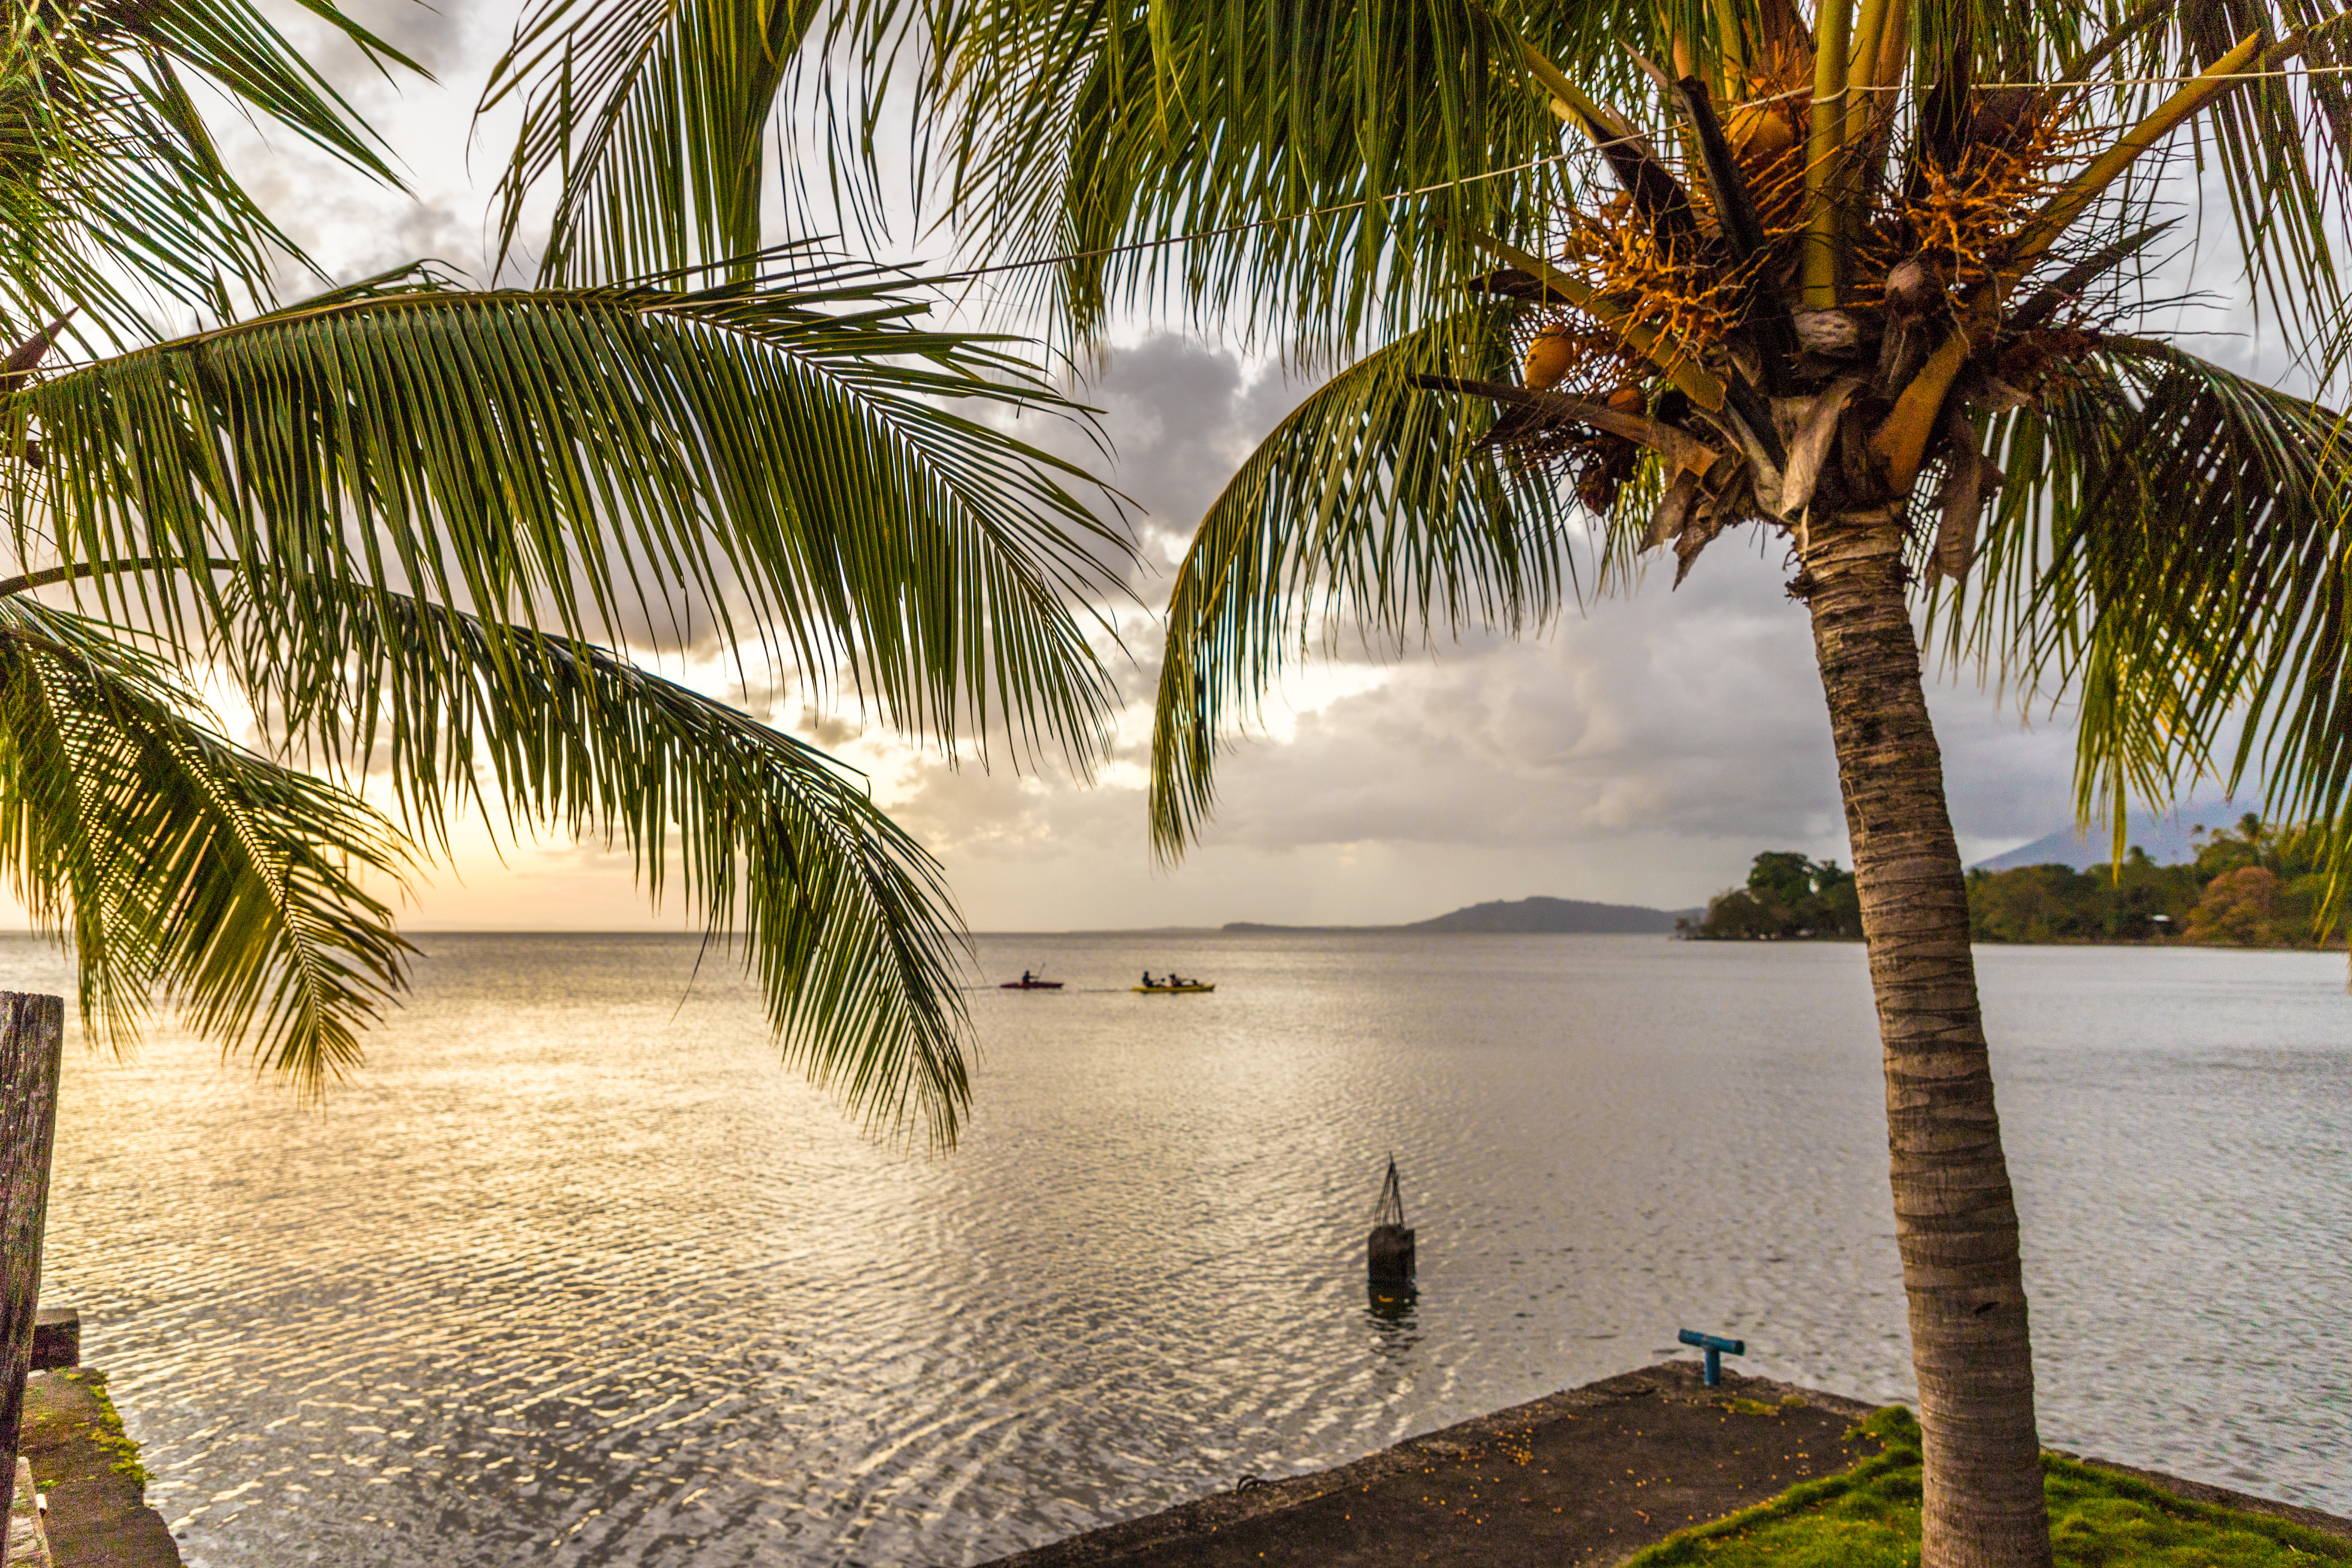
(1955,1219)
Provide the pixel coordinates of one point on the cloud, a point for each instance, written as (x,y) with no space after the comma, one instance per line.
(449,41)
(1685,713)
(1642,750)
(1181,417)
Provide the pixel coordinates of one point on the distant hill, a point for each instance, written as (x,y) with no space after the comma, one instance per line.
(1525,917)
(2165,839)
(1536,916)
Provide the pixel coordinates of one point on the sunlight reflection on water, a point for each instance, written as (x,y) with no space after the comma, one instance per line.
(574,1273)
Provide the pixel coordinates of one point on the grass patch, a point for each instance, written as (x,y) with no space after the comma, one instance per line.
(1869,1517)
(105,1433)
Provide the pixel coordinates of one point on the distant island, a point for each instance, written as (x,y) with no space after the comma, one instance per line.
(1521,917)
(2256,885)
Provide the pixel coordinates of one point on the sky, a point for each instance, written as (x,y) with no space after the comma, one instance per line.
(1642,750)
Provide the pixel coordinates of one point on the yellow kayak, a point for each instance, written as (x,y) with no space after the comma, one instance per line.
(1188,988)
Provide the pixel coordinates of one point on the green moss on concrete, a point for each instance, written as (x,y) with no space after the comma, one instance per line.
(1869,1517)
(105,1433)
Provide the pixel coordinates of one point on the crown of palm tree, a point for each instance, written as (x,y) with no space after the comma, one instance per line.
(1758,277)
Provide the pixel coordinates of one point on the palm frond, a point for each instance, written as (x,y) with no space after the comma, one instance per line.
(1072,129)
(2282,144)
(842,916)
(653,113)
(175,861)
(651,120)
(2180,557)
(1371,502)
(115,194)
(789,461)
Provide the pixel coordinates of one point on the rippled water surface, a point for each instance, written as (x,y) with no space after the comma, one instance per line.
(575,1273)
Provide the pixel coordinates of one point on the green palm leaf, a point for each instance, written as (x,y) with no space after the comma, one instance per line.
(1071,129)
(842,915)
(178,862)
(652,117)
(1370,502)
(784,459)
(114,195)
(2180,557)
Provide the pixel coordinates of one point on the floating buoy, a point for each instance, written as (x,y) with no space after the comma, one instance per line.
(1387,1253)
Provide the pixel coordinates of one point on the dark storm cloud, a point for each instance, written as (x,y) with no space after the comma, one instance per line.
(1181,416)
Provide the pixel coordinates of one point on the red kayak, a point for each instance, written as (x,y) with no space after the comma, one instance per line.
(1031,986)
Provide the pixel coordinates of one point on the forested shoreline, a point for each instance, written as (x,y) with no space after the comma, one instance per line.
(2253,885)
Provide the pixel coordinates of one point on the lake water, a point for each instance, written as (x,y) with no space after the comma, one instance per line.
(575,1273)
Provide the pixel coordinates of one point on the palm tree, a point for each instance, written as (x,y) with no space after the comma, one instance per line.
(1867,280)
(414,527)
(1870,282)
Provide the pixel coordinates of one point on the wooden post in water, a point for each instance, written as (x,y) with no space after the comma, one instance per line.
(32,1045)
(1388,1251)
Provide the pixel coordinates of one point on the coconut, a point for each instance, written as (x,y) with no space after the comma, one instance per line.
(1758,131)
(1549,358)
(1913,289)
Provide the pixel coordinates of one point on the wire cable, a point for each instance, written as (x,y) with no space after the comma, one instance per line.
(967,274)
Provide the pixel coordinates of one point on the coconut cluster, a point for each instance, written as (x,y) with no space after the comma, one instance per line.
(1701,251)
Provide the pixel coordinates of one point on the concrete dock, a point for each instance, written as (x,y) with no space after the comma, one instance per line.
(88,1469)
(1586,1477)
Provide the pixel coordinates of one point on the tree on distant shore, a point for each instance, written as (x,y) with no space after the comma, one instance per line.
(2255,884)
(2136,902)
(1868,283)
(415,527)
(1787,898)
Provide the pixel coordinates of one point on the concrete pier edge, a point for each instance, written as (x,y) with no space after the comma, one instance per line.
(1189,1532)
(89,1469)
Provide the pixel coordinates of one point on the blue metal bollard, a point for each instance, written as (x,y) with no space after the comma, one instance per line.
(1716,1349)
